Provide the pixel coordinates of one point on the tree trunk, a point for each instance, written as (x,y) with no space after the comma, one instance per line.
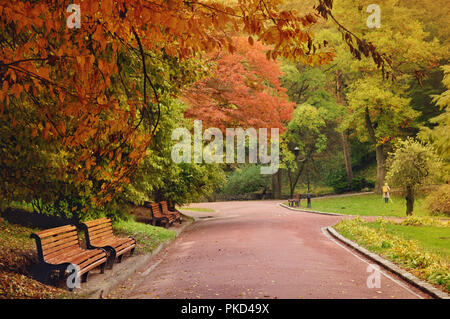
(381,170)
(409,200)
(293,180)
(345,147)
(276,185)
(348,164)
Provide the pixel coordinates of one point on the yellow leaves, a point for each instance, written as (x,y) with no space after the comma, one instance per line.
(102,100)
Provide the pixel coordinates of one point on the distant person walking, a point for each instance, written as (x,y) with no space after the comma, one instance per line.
(385,189)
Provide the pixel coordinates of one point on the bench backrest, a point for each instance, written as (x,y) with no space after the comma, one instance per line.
(297,197)
(155,210)
(98,229)
(55,241)
(164,207)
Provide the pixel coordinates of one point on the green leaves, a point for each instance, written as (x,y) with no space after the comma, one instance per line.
(412,164)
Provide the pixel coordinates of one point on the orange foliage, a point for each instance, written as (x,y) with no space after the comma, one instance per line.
(67,74)
(244,91)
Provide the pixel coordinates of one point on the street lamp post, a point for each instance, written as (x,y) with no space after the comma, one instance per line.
(308,195)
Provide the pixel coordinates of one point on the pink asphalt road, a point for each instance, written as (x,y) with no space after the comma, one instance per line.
(257,249)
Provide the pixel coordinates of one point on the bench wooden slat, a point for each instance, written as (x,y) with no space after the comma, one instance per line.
(51,239)
(97,221)
(65,253)
(60,246)
(99,233)
(166,211)
(57,230)
(75,256)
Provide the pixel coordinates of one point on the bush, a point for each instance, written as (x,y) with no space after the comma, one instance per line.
(245,180)
(438,202)
(338,180)
(360,182)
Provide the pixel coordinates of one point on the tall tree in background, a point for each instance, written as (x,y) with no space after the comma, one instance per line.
(244,90)
(92,88)
(381,111)
(439,135)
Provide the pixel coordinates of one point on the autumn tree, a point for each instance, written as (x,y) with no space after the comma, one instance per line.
(244,90)
(439,135)
(98,91)
(411,51)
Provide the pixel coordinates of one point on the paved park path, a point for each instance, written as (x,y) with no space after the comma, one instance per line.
(257,249)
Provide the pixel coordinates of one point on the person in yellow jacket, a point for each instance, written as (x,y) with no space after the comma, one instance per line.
(385,189)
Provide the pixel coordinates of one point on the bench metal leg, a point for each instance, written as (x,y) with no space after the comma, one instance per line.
(119,259)
(102,267)
(84,276)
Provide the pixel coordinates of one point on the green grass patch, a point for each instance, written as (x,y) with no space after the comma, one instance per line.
(422,250)
(430,238)
(148,237)
(366,205)
(199,209)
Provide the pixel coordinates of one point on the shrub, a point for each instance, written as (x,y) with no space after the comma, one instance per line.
(338,180)
(245,180)
(360,182)
(438,202)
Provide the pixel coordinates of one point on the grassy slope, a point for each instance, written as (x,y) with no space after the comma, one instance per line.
(148,237)
(366,205)
(18,255)
(422,250)
(430,238)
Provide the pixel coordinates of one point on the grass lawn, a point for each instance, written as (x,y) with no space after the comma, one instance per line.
(199,209)
(366,205)
(431,238)
(148,237)
(422,250)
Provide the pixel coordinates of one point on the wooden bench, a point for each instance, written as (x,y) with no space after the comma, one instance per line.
(158,216)
(165,210)
(59,247)
(99,234)
(295,200)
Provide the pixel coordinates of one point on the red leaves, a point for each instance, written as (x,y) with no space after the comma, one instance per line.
(244,91)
